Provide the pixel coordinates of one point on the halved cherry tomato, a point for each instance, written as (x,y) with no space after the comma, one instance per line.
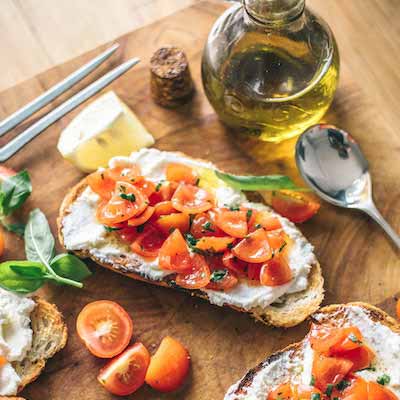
(167,223)
(3,361)
(174,254)
(142,218)
(282,392)
(379,392)
(163,208)
(294,206)
(6,172)
(361,357)
(199,275)
(149,242)
(163,192)
(263,219)
(228,281)
(358,390)
(277,240)
(169,366)
(214,244)
(231,262)
(352,339)
(233,223)
(130,174)
(192,199)
(126,373)
(181,173)
(275,272)
(126,202)
(147,187)
(329,370)
(254,271)
(254,248)
(105,328)
(101,184)
(203,225)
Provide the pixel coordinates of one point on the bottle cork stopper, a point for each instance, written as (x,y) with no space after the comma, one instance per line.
(171,82)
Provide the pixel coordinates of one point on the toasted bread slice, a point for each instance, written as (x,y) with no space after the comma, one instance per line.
(290,363)
(294,308)
(49,337)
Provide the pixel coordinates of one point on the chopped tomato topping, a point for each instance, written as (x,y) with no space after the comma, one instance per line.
(277,240)
(163,208)
(282,392)
(174,254)
(127,234)
(358,390)
(214,244)
(142,218)
(286,391)
(199,275)
(147,187)
(263,219)
(3,361)
(130,174)
(101,184)
(181,173)
(163,192)
(233,223)
(303,392)
(192,199)
(221,277)
(169,366)
(149,242)
(361,357)
(329,370)
(275,272)
(203,225)
(294,206)
(379,392)
(167,223)
(230,261)
(254,271)
(254,248)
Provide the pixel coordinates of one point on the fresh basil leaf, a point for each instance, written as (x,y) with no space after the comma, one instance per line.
(18,228)
(70,266)
(39,241)
(262,182)
(14,276)
(16,190)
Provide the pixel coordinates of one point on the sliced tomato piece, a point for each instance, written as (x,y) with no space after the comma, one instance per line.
(167,223)
(105,328)
(169,366)
(101,184)
(192,199)
(230,261)
(126,373)
(181,173)
(127,233)
(142,218)
(204,225)
(214,244)
(233,223)
(277,240)
(263,219)
(163,208)
(275,272)
(254,248)
(379,392)
(351,339)
(358,390)
(197,277)
(126,202)
(130,174)
(174,253)
(254,271)
(148,242)
(147,187)
(282,392)
(222,280)
(294,206)
(361,357)
(329,370)
(163,192)
(302,392)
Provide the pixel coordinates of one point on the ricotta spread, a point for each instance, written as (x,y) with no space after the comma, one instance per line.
(15,337)
(81,231)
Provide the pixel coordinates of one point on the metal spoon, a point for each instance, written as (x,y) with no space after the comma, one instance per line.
(332,163)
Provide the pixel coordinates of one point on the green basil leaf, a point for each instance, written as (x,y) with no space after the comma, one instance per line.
(22,276)
(70,266)
(262,182)
(39,241)
(16,190)
(218,275)
(18,228)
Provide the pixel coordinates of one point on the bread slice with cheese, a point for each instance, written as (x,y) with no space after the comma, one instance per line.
(294,363)
(81,233)
(49,337)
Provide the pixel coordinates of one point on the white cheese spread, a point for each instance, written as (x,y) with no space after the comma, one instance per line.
(15,337)
(81,231)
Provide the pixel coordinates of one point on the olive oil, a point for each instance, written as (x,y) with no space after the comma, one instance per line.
(270,84)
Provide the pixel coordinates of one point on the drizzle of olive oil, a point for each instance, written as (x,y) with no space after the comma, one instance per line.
(272,87)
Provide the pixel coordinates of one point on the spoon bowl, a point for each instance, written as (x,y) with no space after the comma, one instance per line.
(332,163)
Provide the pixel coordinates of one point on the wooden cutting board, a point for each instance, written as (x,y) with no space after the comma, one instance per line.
(358,260)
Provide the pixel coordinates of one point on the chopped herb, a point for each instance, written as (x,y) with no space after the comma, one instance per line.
(130,197)
(342,385)
(171,229)
(258,226)
(383,380)
(282,247)
(315,396)
(249,213)
(197,182)
(140,228)
(218,275)
(122,188)
(102,175)
(158,187)
(190,239)
(312,381)
(336,398)
(207,227)
(370,368)
(329,389)
(111,228)
(191,218)
(234,208)
(354,338)
(230,246)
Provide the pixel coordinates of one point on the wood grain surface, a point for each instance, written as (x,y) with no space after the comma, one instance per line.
(358,260)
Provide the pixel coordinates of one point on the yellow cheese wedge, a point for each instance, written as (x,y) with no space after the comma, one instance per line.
(104,129)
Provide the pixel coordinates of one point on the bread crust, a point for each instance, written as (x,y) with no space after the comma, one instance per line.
(297,307)
(326,314)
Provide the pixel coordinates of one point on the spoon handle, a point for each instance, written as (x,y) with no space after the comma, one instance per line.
(373,212)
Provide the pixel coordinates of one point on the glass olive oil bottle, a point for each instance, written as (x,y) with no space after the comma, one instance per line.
(270,68)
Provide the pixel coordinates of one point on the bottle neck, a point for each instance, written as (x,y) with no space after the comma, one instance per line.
(274,12)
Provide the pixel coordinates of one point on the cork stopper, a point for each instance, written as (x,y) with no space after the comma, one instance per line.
(171,82)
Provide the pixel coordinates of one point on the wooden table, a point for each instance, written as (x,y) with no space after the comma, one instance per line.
(358,261)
